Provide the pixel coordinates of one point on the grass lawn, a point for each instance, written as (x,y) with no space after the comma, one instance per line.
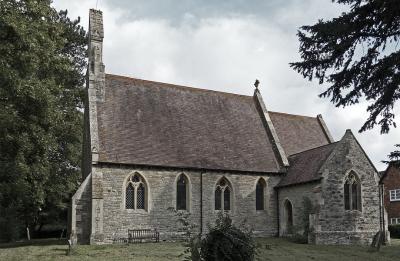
(280,249)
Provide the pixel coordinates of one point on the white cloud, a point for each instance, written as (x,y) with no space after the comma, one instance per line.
(227,53)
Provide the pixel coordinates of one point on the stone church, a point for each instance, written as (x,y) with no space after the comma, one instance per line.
(152,146)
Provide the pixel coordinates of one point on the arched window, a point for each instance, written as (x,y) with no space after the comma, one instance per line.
(352,192)
(223,194)
(182,193)
(288,217)
(136,192)
(260,194)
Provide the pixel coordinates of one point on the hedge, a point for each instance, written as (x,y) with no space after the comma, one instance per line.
(394,231)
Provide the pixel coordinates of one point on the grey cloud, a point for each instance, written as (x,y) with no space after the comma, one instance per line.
(225,46)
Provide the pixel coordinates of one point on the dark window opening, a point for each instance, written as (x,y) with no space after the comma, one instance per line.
(181,194)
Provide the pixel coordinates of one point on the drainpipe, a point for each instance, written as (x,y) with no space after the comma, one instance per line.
(201,203)
(382,209)
(277,209)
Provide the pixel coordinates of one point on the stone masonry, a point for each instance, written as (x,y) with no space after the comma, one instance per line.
(298,159)
(334,223)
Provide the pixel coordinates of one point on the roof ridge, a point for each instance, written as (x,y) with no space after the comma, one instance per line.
(294,115)
(189,88)
(333,143)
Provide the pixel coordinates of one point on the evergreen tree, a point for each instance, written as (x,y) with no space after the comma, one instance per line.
(358,55)
(42,57)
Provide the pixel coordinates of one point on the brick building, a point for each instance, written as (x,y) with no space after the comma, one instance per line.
(391,184)
(153,146)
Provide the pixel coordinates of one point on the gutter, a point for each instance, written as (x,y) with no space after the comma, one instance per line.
(277,209)
(201,203)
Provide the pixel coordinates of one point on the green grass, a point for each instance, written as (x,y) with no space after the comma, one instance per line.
(280,250)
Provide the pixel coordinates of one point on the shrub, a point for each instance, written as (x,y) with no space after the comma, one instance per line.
(10,226)
(394,231)
(227,242)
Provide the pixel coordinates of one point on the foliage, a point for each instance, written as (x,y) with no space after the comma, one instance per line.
(357,54)
(227,242)
(192,240)
(394,156)
(42,56)
(394,231)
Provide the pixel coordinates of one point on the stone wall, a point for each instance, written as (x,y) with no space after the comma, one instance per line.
(296,194)
(264,223)
(81,213)
(161,197)
(335,225)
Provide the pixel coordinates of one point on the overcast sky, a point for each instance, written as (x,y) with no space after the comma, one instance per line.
(225,46)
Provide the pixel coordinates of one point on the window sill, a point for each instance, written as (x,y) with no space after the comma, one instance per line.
(353,212)
(394,200)
(137,211)
(182,210)
(225,211)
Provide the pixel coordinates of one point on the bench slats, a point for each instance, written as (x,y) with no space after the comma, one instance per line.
(140,235)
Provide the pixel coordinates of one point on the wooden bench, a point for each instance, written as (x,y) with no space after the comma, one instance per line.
(143,235)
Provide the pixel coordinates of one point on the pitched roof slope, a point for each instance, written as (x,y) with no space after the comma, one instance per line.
(151,123)
(298,133)
(305,166)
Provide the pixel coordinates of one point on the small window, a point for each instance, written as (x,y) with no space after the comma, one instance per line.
(260,194)
(394,221)
(136,193)
(352,192)
(182,193)
(394,195)
(223,194)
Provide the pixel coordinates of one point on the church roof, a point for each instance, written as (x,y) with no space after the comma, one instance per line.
(298,133)
(305,166)
(150,123)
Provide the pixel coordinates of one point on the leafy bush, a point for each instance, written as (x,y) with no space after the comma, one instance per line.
(10,226)
(227,242)
(394,231)
(191,239)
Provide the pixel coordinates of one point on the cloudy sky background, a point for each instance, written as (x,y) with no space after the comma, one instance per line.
(225,46)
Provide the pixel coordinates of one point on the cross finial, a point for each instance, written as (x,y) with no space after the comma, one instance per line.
(257,82)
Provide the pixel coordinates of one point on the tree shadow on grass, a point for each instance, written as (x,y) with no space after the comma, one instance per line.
(35,242)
